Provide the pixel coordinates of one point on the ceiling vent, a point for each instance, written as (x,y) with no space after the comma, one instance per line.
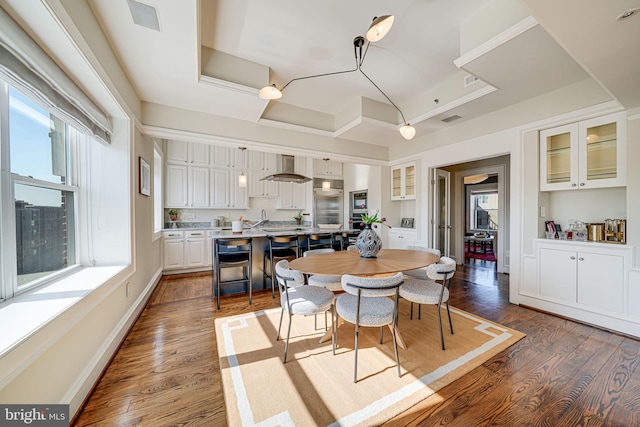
(451,118)
(144,15)
(469,80)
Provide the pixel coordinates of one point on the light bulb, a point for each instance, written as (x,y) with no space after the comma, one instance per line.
(270,92)
(407,131)
(326,185)
(242,180)
(379,28)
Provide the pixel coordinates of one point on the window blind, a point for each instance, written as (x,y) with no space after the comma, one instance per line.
(27,67)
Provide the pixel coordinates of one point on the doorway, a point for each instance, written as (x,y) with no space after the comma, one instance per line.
(478,214)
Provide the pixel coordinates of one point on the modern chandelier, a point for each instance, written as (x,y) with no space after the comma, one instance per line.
(377,30)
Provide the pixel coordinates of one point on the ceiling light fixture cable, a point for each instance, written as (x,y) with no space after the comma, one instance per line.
(378,29)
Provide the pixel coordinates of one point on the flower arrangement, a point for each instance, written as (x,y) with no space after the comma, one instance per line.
(373,220)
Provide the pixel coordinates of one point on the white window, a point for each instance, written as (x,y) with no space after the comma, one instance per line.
(484,210)
(39,233)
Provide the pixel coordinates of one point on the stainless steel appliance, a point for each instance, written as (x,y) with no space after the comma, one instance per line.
(358,201)
(328,206)
(358,205)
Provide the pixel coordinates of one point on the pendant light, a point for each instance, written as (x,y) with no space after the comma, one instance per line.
(242,178)
(377,30)
(326,184)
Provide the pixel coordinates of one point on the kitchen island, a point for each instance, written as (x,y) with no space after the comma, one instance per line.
(189,249)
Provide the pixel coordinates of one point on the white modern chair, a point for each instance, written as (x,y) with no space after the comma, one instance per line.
(366,303)
(431,292)
(333,283)
(420,273)
(298,298)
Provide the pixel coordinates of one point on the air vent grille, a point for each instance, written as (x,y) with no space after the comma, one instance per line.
(451,118)
(469,80)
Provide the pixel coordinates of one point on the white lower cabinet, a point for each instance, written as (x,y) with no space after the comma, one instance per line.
(401,238)
(185,249)
(593,278)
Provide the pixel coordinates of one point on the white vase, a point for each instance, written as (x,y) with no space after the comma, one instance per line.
(368,242)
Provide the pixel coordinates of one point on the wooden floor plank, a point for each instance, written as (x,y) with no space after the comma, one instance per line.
(166,372)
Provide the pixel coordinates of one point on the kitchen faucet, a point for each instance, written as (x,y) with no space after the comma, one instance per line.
(262,221)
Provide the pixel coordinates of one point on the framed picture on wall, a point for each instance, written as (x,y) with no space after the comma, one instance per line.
(144,177)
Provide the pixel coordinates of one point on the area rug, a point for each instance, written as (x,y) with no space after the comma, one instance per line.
(488,256)
(315,387)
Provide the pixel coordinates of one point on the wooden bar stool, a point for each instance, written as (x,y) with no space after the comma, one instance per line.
(279,248)
(346,236)
(318,241)
(232,252)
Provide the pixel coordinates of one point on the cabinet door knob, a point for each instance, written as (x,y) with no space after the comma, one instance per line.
(573,185)
(581,259)
(582,184)
(573,257)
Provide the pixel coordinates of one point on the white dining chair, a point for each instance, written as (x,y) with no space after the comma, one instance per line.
(366,303)
(429,291)
(421,273)
(298,298)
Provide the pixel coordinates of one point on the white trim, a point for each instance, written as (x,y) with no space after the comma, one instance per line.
(485,90)
(227,85)
(498,40)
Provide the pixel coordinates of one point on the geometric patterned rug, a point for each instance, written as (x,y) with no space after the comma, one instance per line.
(315,387)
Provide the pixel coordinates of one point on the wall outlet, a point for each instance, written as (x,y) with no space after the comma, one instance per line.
(543,212)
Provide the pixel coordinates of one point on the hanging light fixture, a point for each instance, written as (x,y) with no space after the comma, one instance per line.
(242,178)
(377,30)
(326,184)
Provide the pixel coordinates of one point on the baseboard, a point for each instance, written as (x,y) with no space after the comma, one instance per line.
(79,393)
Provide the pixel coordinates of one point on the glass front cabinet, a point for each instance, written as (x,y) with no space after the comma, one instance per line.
(587,154)
(403,182)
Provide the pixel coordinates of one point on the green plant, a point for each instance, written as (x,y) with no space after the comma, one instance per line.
(173,211)
(298,216)
(373,219)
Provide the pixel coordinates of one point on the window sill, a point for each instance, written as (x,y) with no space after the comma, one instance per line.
(28,312)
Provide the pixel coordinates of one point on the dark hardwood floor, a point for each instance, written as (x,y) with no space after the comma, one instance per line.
(563,373)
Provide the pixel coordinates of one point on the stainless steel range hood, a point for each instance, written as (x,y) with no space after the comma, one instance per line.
(286,168)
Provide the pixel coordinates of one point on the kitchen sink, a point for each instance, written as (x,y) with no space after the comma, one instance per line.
(274,229)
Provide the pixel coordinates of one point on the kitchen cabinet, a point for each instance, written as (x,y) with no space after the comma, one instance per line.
(587,275)
(180,152)
(403,181)
(587,154)
(261,165)
(187,186)
(173,249)
(219,186)
(238,198)
(185,249)
(228,157)
(293,195)
(400,238)
(327,168)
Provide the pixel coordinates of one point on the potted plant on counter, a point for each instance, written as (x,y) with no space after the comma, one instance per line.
(298,218)
(173,214)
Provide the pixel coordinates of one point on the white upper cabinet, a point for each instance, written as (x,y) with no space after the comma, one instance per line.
(327,168)
(180,152)
(403,181)
(587,154)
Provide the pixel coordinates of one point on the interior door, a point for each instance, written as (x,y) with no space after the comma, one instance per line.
(441,211)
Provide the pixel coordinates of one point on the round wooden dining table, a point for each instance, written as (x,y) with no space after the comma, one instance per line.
(388,261)
(350,262)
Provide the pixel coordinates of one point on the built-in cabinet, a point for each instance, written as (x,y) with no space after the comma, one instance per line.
(185,249)
(403,181)
(261,165)
(401,238)
(327,168)
(587,281)
(204,176)
(586,154)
